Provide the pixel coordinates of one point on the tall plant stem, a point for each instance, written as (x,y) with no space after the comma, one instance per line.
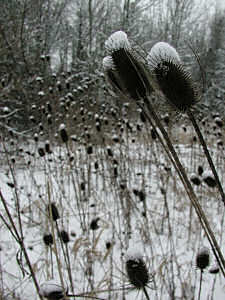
(146,293)
(200,285)
(207,154)
(20,241)
(188,187)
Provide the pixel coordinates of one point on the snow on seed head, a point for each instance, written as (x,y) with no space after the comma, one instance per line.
(117,40)
(214,269)
(173,80)
(162,51)
(137,271)
(107,63)
(203,258)
(48,239)
(129,75)
(51,290)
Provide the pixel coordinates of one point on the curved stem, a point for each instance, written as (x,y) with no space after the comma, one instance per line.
(207,154)
(188,187)
(146,293)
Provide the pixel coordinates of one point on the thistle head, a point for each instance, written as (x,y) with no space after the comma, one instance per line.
(161,52)
(51,290)
(137,271)
(203,258)
(124,68)
(173,80)
(118,40)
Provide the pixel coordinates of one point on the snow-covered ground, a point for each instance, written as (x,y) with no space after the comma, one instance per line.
(109,203)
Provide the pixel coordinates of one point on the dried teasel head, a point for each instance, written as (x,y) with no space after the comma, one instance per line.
(125,69)
(203,258)
(137,271)
(173,80)
(52,290)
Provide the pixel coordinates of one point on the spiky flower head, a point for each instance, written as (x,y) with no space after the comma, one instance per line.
(124,68)
(137,271)
(162,51)
(118,40)
(173,80)
(51,290)
(203,258)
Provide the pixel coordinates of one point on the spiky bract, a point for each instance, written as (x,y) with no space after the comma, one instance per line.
(127,72)
(137,272)
(173,80)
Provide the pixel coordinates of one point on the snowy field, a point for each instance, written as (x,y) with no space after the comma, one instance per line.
(110,199)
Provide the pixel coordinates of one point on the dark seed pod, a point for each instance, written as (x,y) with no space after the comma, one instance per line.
(36,137)
(41,152)
(214,270)
(64,236)
(200,170)
(63,133)
(41,127)
(51,290)
(218,122)
(109,152)
(137,271)
(48,239)
(142,196)
(82,186)
(195,179)
(11,184)
(108,245)
(89,149)
(47,147)
(115,171)
(209,180)
(53,210)
(153,134)
(202,259)
(166,119)
(136,192)
(94,224)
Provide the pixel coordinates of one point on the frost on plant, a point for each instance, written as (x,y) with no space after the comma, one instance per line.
(160,52)
(118,40)
(172,79)
(51,290)
(107,63)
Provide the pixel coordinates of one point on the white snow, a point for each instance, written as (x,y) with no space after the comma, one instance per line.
(49,287)
(107,63)
(118,40)
(162,51)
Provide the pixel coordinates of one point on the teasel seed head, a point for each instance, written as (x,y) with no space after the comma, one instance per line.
(137,271)
(51,290)
(48,239)
(203,258)
(94,224)
(161,52)
(195,179)
(209,179)
(63,133)
(53,211)
(64,236)
(173,80)
(214,269)
(125,69)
